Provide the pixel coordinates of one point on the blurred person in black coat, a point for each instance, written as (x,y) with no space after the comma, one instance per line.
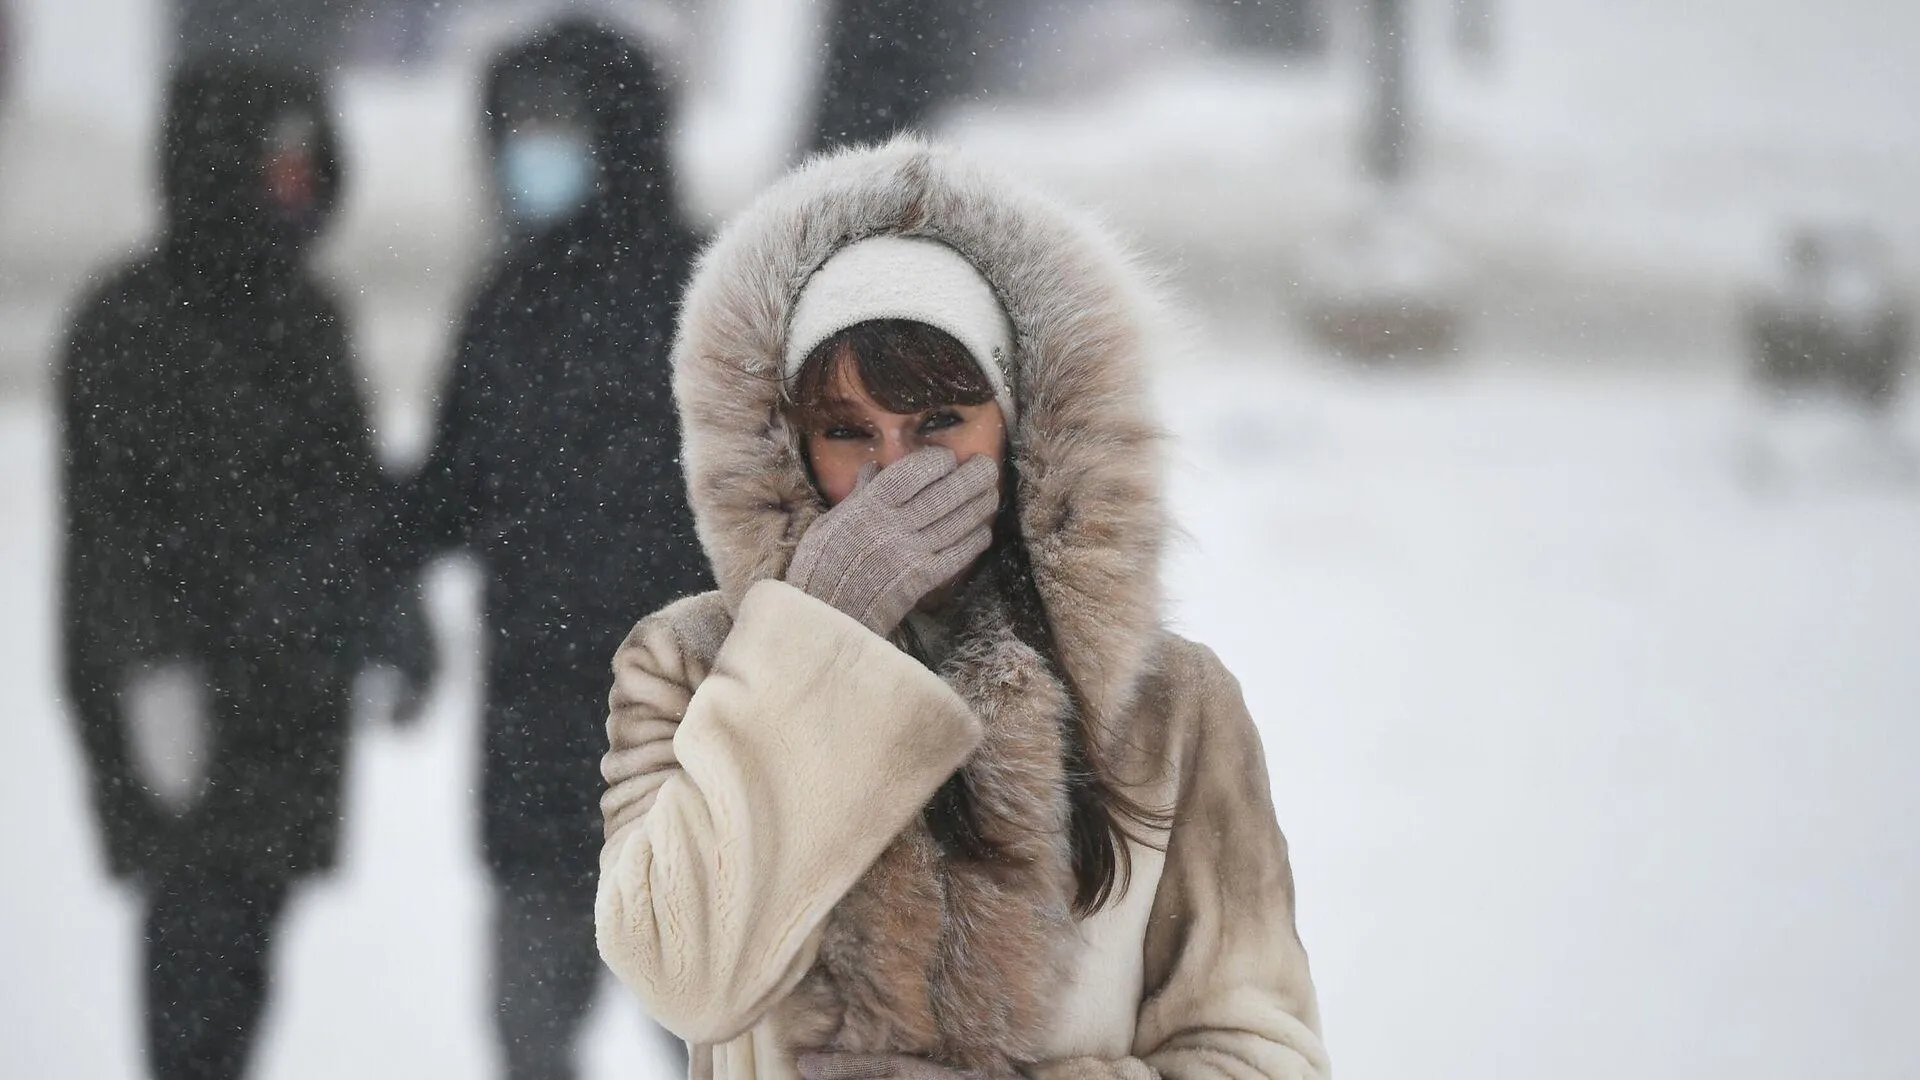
(223,578)
(556,461)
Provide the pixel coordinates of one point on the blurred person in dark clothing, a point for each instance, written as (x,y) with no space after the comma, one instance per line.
(222,583)
(556,461)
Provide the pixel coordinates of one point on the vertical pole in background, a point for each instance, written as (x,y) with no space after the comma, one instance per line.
(1386,150)
(1473,31)
(1389,287)
(6,51)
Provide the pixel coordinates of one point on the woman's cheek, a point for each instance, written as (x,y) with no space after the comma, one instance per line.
(836,467)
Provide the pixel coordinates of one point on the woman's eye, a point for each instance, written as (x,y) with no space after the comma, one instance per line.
(843,431)
(935,421)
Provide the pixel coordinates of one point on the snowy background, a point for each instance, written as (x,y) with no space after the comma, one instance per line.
(1597,759)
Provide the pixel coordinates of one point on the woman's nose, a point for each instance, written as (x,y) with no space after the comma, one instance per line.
(894,446)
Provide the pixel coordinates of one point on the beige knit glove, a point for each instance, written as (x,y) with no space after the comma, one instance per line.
(904,531)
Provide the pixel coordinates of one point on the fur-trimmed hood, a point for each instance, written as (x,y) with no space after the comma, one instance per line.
(1085,319)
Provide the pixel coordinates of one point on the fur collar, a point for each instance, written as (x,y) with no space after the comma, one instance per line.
(943,957)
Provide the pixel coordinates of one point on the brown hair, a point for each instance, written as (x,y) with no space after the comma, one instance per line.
(907,366)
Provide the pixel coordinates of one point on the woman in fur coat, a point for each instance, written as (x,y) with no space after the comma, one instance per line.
(925,790)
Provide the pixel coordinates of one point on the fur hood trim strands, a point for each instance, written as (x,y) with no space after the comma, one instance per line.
(1085,446)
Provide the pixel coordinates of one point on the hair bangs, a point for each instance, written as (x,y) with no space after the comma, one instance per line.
(905,366)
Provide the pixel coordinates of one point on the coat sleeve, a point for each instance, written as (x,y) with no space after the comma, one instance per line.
(92,473)
(318,516)
(1227,994)
(351,504)
(106,617)
(441,504)
(364,510)
(743,802)
(114,515)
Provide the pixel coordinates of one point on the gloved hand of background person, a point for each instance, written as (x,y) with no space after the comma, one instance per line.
(167,708)
(903,531)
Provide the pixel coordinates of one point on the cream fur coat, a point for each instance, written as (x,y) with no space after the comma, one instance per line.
(767,884)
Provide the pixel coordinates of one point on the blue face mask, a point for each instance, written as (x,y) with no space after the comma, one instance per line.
(545,175)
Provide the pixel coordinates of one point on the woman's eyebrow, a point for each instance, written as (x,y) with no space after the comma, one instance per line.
(835,409)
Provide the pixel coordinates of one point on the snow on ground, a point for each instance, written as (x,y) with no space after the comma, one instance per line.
(1594,760)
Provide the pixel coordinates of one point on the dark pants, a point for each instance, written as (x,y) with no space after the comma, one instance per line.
(208,935)
(546,968)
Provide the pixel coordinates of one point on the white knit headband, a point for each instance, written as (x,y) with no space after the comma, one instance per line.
(912,278)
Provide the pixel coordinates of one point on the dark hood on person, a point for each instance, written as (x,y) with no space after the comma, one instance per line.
(250,172)
(576,132)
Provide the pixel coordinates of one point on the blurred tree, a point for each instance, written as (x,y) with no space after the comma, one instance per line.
(392,31)
(1473,31)
(295,33)
(1385,147)
(890,64)
(1286,26)
(6,49)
